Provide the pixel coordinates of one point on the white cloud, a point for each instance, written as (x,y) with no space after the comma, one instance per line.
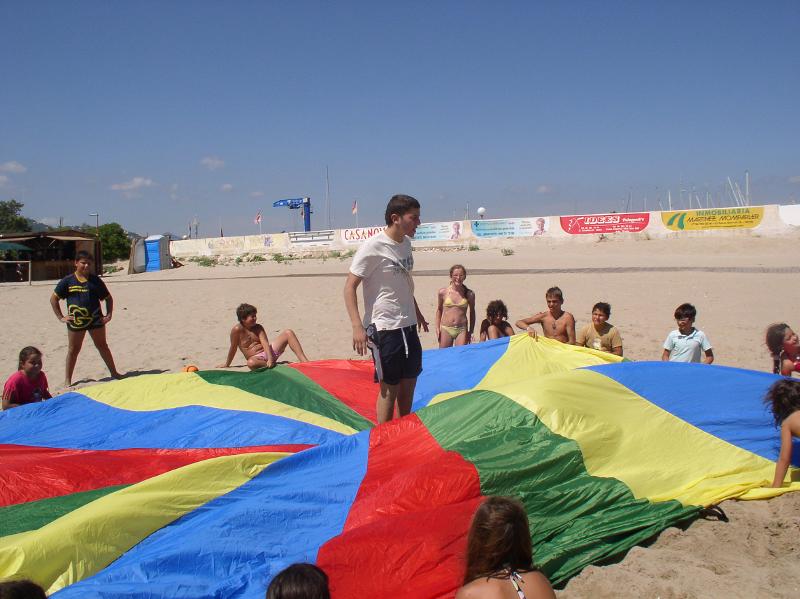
(135,183)
(226,187)
(212,163)
(3,180)
(12,167)
(795,179)
(544,189)
(257,194)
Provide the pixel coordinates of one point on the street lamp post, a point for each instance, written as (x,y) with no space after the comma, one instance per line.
(96,216)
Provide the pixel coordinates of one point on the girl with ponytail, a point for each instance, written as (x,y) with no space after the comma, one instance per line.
(784,347)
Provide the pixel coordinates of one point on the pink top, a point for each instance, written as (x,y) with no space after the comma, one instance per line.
(19,389)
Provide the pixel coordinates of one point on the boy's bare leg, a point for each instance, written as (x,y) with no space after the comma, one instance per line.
(98,335)
(288,337)
(75,339)
(405,395)
(387,397)
(254,363)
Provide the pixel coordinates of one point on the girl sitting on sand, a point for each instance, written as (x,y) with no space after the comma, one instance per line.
(500,556)
(453,326)
(783,344)
(495,326)
(783,398)
(28,384)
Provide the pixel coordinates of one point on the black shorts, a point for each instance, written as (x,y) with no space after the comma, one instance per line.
(83,320)
(397,354)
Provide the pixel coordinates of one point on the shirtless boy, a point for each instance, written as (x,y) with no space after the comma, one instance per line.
(556,323)
(251,338)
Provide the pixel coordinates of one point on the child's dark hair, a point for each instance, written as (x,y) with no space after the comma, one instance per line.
(399,205)
(604,307)
(245,310)
(83,255)
(21,589)
(554,292)
(26,353)
(299,581)
(499,539)
(783,398)
(496,308)
(685,311)
(775,336)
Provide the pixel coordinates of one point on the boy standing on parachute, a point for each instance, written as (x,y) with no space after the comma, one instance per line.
(391,315)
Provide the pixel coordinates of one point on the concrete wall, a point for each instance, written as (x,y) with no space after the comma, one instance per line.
(770,220)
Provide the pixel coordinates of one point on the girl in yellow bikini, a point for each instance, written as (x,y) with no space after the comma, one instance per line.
(453,327)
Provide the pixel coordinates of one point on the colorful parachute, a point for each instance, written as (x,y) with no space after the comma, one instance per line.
(207,484)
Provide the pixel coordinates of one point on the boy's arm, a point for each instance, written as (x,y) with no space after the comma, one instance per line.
(421,322)
(570,329)
(526,322)
(616,343)
(785,456)
(262,338)
(669,345)
(232,349)
(351,303)
(109,309)
(709,357)
(56,306)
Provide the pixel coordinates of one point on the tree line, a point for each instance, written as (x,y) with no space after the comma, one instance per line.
(113,238)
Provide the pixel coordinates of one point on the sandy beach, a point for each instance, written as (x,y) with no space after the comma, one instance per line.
(166,320)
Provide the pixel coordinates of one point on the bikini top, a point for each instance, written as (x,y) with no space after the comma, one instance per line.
(515,579)
(448,303)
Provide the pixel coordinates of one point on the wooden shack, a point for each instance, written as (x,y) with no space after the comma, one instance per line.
(53,252)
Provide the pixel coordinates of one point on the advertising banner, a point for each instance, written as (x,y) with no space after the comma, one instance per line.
(510,227)
(448,231)
(790,214)
(359,234)
(716,218)
(309,238)
(605,223)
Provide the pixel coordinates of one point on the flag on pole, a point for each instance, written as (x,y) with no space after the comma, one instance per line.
(355,206)
(257,219)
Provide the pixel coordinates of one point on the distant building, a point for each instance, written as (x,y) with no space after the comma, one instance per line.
(53,252)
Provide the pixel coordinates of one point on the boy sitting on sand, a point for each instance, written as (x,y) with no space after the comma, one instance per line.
(556,323)
(251,338)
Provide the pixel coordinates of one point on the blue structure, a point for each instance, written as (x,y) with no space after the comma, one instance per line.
(294,203)
(156,254)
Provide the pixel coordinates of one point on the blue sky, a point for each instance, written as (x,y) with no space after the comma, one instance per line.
(153,112)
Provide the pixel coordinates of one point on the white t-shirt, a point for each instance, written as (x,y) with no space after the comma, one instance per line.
(385,267)
(687,348)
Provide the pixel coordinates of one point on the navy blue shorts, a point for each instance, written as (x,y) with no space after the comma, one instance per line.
(397,354)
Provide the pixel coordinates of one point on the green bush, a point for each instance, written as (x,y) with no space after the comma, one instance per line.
(473,247)
(507,252)
(203,260)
